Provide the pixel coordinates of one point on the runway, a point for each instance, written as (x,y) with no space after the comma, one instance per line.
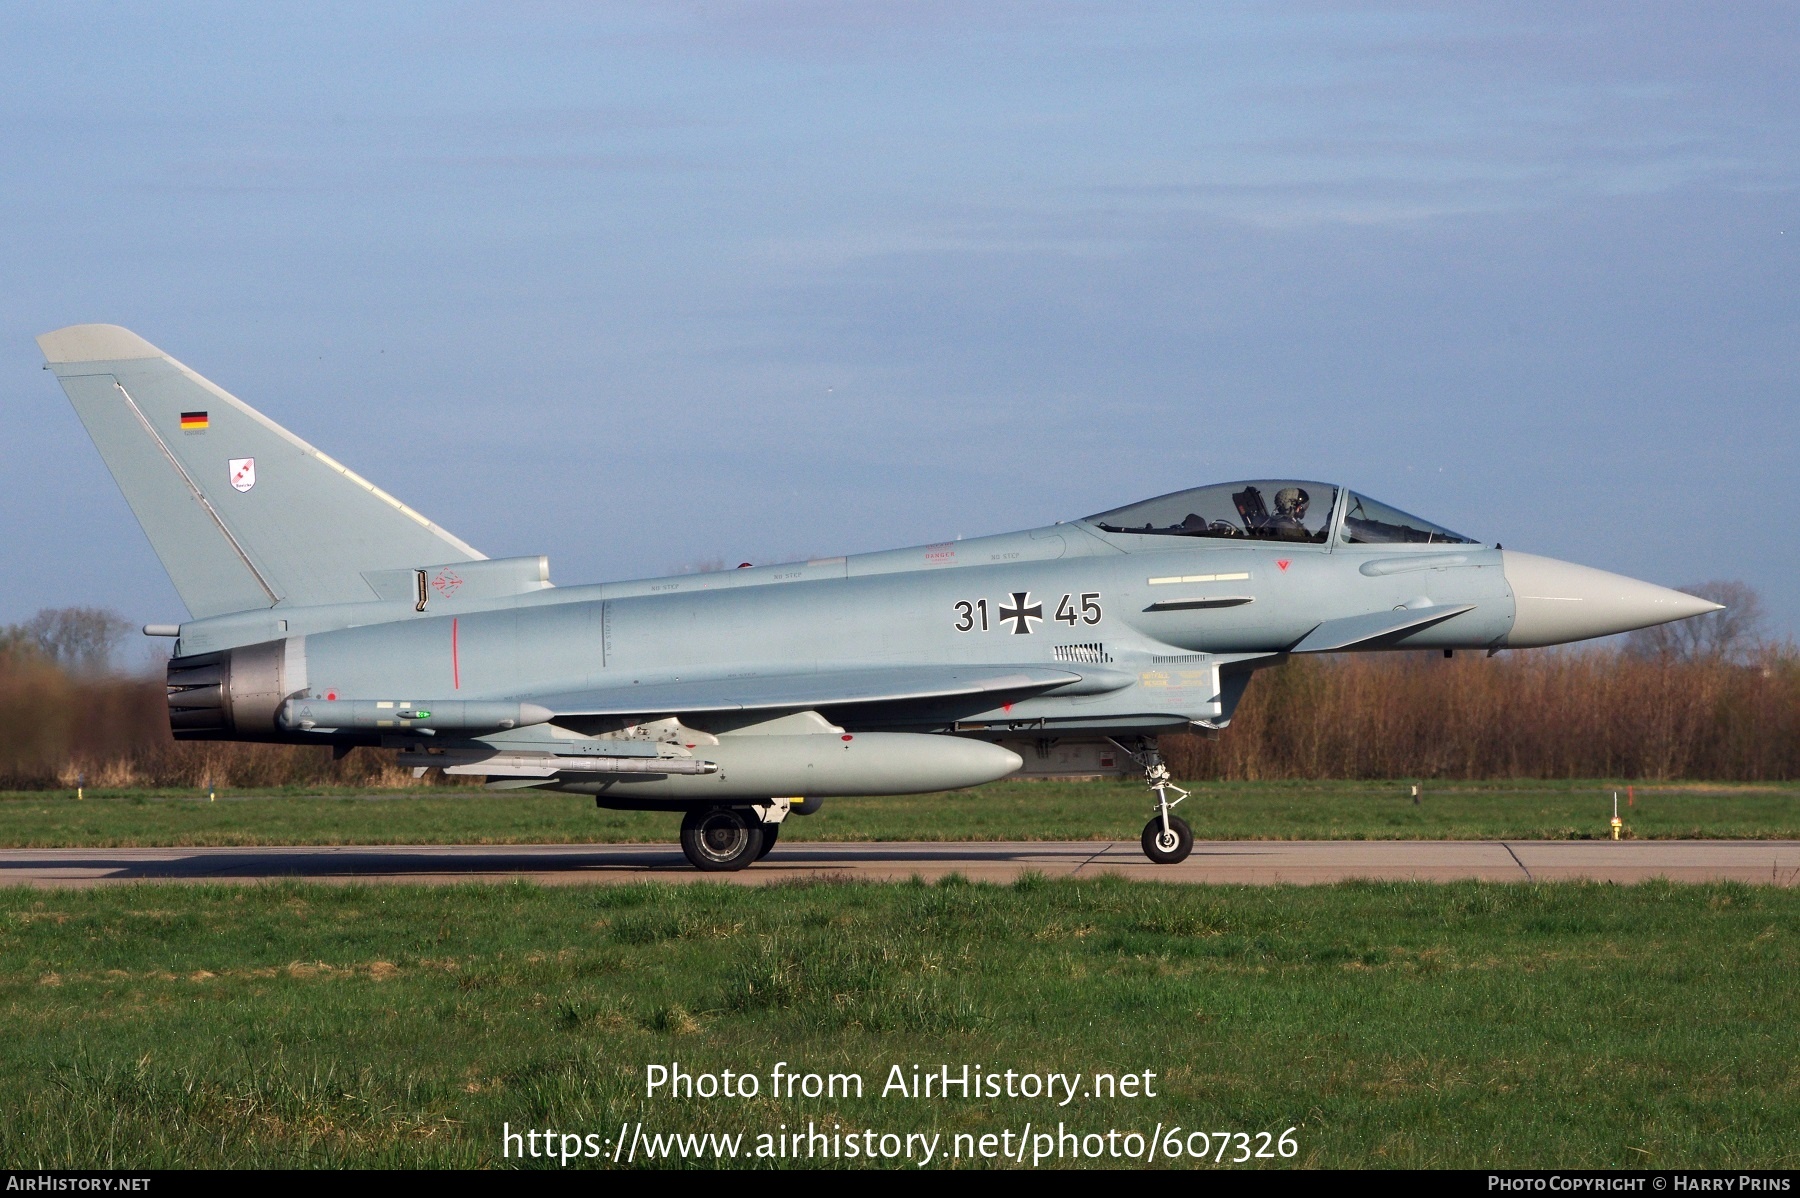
(1249,862)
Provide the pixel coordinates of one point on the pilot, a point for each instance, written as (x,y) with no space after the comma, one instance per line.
(1290,512)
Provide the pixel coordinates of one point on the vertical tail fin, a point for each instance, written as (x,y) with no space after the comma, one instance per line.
(242,513)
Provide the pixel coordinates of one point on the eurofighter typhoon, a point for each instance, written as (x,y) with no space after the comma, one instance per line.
(326,612)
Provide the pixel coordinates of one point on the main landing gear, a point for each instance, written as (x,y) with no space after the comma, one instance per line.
(727,839)
(1167,839)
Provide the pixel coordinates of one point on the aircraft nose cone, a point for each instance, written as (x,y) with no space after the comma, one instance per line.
(1555,602)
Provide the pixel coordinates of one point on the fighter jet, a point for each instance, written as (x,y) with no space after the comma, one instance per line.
(326,612)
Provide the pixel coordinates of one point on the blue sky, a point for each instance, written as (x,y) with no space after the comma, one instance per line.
(645,286)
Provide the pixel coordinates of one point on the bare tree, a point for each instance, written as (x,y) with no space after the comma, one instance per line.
(1735,634)
(16,644)
(79,639)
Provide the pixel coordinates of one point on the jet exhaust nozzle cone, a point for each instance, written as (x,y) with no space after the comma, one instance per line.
(1556,602)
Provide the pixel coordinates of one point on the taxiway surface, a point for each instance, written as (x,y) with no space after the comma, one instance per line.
(1764,862)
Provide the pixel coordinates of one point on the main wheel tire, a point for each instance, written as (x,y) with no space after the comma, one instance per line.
(1170,847)
(721,839)
(771,833)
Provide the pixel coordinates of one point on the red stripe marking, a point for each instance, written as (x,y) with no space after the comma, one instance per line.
(455,661)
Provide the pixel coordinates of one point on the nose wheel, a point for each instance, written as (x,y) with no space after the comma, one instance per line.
(1168,844)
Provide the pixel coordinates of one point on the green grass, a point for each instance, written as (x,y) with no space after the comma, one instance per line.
(1465,1025)
(1003,811)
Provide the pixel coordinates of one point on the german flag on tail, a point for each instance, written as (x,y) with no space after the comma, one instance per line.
(193,422)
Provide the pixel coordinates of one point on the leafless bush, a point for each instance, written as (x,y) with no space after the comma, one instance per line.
(1573,713)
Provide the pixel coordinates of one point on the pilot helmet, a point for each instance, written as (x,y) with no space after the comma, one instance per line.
(1291,501)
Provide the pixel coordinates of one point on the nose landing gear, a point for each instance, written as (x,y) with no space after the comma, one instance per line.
(1167,838)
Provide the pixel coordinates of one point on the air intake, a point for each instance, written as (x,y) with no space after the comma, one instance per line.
(1091,654)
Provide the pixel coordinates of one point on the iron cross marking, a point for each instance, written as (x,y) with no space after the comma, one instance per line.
(1022,612)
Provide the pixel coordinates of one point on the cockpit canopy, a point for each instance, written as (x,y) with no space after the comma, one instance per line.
(1266,510)
(1273,510)
(1367,522)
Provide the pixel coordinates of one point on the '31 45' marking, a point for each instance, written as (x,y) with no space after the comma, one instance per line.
(1024,613)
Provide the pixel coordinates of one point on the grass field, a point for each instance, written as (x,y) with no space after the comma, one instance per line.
(1389,1024)
(1003,811)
